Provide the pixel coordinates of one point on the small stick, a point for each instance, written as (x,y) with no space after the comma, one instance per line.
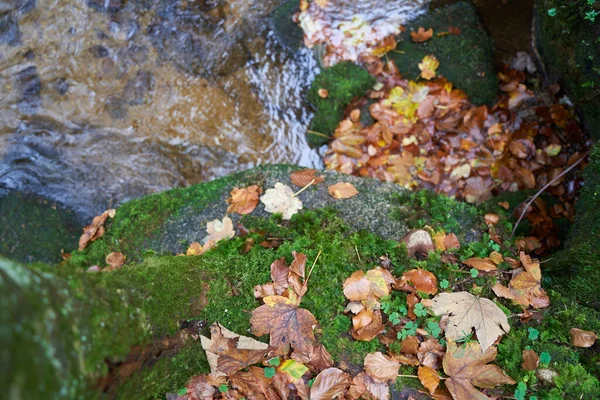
(304,188)
(415,376)
(356,248)
(311,269)
(546,186)
(318,134)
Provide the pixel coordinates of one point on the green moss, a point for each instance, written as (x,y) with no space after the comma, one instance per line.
(466,60)
(568,43)
(344,82)
(35,229)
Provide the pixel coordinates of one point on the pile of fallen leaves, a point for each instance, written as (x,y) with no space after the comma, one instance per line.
(448,333)
(426,134)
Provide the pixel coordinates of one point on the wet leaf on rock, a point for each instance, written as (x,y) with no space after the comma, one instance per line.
(342,190)
(281,199)
(243,201)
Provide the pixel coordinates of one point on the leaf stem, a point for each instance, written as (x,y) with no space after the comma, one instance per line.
(304,188)
(318,134)
(313,266)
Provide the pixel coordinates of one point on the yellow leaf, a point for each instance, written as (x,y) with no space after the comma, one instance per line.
(293,368)
(428,67)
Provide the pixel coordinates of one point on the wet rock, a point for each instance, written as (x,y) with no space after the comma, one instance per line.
(99,51)
(9,29)
(193,37)
(138,89)
(134,54)
(110,6)
(28,86)
(61,86)
(287,32)
(116,107)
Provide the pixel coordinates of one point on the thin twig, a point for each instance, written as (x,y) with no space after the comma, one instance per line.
(356,248)
(304,188)
(311,268)
(318,134)
(546,186)
(415,376)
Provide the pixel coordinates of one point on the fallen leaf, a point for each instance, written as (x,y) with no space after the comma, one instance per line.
(423,281)
(451,242)
(285,322)
(281,199)
(243,201)
(219,230)
(251,383)
(228,352)
(115,260)
(410,345)
(293,368)
(305,176)
(373,285)
(342,190)
(367,329)
(431,353)
(330,383)
(323,93)
(581,338)
(411,301)
(198,388)
(466,312)
(421,35)
(481,264)
(363,384)
(429,378)
(96,229)
(428,66)
(467,366)
(381,367)
(525,288)
(197,249)
(530,360)
(454,30)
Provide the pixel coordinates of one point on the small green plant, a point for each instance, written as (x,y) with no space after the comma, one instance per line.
(467,338)
(394,318)
(410,329)
(444,284)
(521,391)
(591,15)
(545,358)
(534,334)
(552,12)
(474,272)
(223,388)
(274,361)
(269,372)
(420,310)
(434,329)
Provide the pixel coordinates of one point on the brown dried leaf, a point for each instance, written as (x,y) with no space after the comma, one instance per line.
(430,353)
(381,367)
(410,345)
(285,322)
(330,383)
(423,281)
(421,35)
(481,264)
(411,301)
(115,260)
(429,378)
(530,360)
(363,386)
(581,338)
(342,190)
(526,286)
(303,177)
(96,229)
(368,330)
(243,201)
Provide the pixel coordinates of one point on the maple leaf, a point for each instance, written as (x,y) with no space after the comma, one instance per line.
(281,199)
(342,190)
(581,338)
(466,312)
(96,229)
(363,386)
(468,366)
(115,260)
(330,383)
(228,352)
(423,281)
(421,35)
(428,67)
(219,230)
(381,367)
(304,177)
(285,322)
(243,201)
(429,378)
(251,383)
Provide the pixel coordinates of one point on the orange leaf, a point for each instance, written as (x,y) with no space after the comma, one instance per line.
(421,35)
(115,260)
(423,281)
(342,190)
(481,264)
(96,229)
(411,301)
(243,201)
(330,383)
(429,378)
(305,176)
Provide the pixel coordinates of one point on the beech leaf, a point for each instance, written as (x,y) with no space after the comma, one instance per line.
(305,176)
(581,338)
(330,383)
(342,190)
(468,312)
(381,367)
(429,378)
(423,281)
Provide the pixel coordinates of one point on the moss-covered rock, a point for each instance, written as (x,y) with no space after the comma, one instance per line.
(35,229)
(287,32)
(466,59)
(566,33)
(343,82)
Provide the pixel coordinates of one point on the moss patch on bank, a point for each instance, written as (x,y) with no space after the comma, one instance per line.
(567,36)
(466,59)
(343,82)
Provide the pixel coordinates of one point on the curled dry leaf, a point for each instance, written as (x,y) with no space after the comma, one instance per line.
(219,230)
(481,264)
(366,325)
(421,35)
(281,199)
(429,378)
(342,190)
(305,176)
(530,360)
(468,366)
(525,288)
(581,338)
(423,281)
(228,352)
(418,241)
(115,260)
(285,322)
(381,367)
(431,353)
(243,201)
(96,229)
(363,384)
(330,383)
(467,312)
(199,388)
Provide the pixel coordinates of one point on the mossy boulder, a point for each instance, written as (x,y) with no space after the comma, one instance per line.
(33,228)
(466,60)
(566,35)
(343,82)
(287,32)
